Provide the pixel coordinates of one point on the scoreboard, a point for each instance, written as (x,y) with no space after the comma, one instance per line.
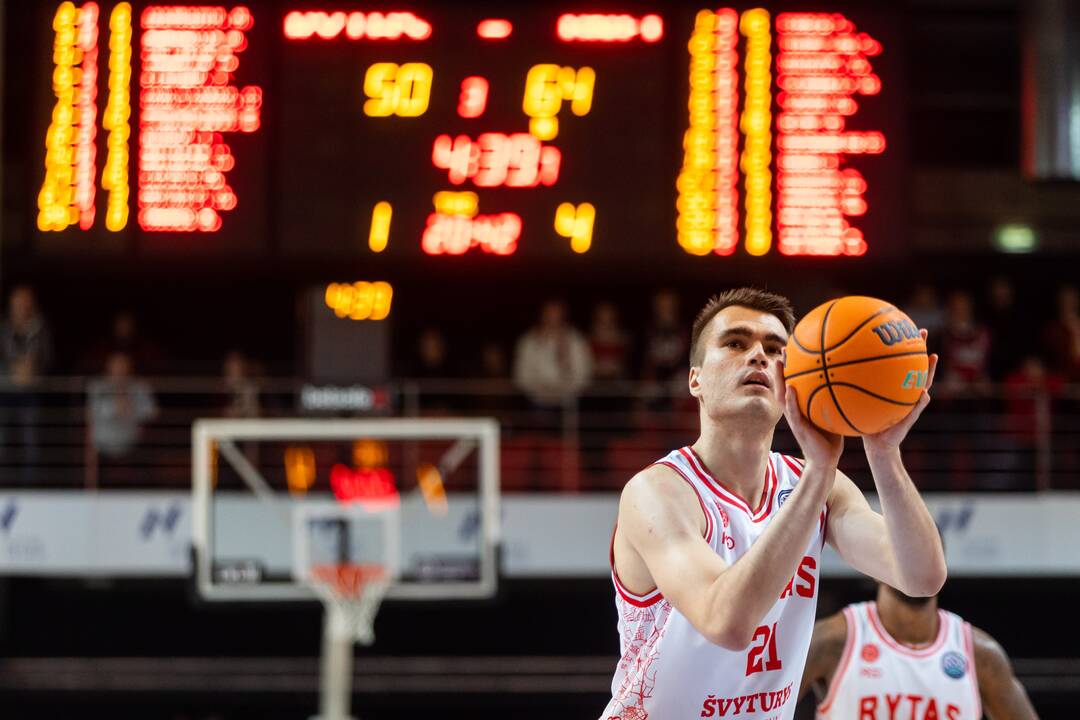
(545,131)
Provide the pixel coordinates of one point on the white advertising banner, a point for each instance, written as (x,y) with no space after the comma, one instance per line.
(147,534)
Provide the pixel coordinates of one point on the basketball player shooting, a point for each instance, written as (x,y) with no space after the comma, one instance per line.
(717,547)
(902,657)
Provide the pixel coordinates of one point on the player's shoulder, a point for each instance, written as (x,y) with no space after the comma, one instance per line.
(658,478)
(657,486)
(827,645)
(990,657)
(831,632)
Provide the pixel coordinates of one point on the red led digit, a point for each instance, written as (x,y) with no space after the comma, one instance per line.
(494,29)
(550,159)
(524,160)
(495,154)
(473,99)
(494,159)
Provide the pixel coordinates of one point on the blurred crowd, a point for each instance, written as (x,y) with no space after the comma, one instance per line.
(623,379)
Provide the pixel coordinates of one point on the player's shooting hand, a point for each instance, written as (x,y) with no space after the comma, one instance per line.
(889,439)
(819,447)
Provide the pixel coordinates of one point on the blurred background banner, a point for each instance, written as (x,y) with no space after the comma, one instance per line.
(148,534)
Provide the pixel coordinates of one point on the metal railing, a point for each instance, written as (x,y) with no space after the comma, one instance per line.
(996,440)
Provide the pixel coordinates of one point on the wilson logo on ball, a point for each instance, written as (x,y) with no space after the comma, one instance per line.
(895,331)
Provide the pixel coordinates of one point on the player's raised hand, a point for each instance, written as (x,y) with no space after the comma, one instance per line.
(818,447)
(889,439)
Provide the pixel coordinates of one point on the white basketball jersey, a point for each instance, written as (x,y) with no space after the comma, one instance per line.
(668,670)
(879,678)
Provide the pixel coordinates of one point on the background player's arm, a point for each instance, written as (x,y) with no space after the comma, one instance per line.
(826,649)
(900,546)
(1003,697)
(661,520)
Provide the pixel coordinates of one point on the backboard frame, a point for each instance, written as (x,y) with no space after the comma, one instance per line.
(205,432)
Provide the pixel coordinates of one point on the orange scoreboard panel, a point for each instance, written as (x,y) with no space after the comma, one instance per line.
(533,130)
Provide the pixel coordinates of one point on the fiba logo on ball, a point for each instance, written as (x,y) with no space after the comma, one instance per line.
(954,664)
(782,496)
(870,652)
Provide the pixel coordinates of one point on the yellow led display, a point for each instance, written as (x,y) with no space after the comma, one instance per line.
(299,468)
(360,300)
(547,86)
(114,176)
(462,204)
(756,125)
(708,200)
(576,223)
(67,193)
(402,90)
(379,235)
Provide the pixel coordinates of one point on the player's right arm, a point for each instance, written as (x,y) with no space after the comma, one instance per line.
(826,650)
(661,525)
(1002,695)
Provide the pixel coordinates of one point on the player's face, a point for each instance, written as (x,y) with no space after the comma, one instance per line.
(741,371)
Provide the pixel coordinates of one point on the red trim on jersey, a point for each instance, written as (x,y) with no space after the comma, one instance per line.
(793,464)
(841,668)
(718,489)
(879,628)
(969,647)
(654,595)
(709,524)
(650,598)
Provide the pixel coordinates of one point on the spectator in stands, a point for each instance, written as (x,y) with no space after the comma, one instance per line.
(1030,391)
(241,391)
(1007,329)
(1025,389)
(965,347)
(125,338)
(432,360)
(666,348)
(552,362)
(609,344)
(1061,336)
(119,406)
(431,365)
(924,308)
(666,343)
(496,398)
(26,354)
(493,363)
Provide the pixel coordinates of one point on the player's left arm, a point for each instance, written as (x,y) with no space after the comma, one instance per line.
(1003,697)
(899,546)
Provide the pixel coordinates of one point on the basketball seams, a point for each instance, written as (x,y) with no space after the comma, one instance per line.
(855,330)
(825,364)
(802,347)
(874,394)
(855,362)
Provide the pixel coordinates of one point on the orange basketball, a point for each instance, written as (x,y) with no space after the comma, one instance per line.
(858,364)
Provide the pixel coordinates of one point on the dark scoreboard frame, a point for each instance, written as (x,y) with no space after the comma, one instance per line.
(308,179)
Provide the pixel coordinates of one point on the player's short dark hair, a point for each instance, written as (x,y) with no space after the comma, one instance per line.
(747,297)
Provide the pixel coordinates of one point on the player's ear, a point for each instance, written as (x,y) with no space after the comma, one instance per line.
(694,381)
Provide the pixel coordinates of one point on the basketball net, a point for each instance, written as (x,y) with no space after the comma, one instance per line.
(351,593)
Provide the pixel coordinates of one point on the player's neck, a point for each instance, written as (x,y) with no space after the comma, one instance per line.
(737,459)
(913,625)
